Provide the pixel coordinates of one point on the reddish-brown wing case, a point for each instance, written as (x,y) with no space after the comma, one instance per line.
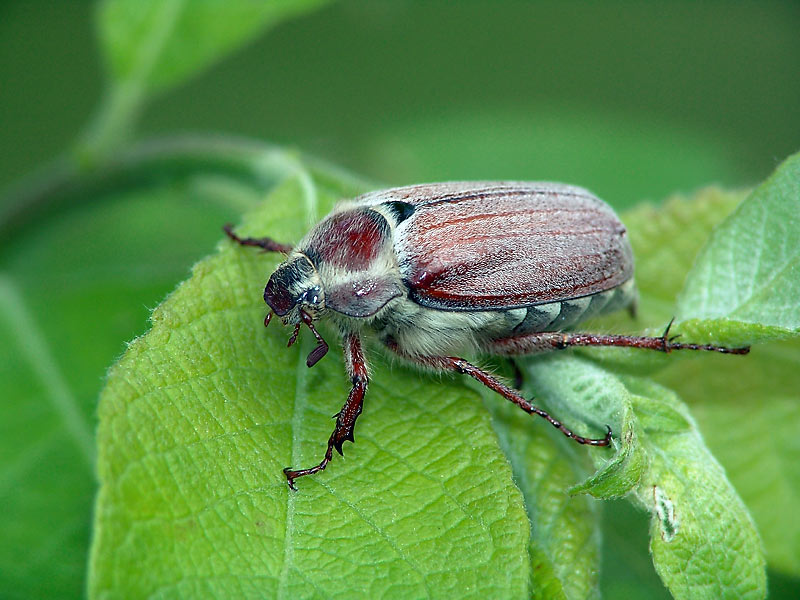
(484,246)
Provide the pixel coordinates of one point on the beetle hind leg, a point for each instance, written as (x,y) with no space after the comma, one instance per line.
(459,365)
(531,343)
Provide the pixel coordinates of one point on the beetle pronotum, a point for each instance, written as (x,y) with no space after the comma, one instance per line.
(437,270)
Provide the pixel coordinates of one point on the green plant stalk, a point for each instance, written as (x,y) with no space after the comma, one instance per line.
(64,182)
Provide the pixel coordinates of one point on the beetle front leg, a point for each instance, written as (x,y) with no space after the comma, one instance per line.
(546,341)
(356,366)
(459,365)
(265,243)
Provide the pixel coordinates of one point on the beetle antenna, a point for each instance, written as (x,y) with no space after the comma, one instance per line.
(293,337)
(322,346)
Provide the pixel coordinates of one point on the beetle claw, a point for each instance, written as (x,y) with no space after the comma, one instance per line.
(665,335)
(338,445)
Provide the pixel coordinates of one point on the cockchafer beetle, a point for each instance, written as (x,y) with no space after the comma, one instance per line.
(437,270)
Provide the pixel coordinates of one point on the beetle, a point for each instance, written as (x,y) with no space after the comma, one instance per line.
(438,270)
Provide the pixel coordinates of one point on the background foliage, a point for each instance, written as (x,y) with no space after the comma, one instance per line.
(633,100)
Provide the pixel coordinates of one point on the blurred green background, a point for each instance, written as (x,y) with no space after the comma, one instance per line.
(634,100)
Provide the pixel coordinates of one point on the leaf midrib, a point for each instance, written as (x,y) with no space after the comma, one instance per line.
(792,261)
(152,47)
(298,412)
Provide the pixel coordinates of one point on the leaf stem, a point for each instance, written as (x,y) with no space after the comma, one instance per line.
(112,125)
(64,181)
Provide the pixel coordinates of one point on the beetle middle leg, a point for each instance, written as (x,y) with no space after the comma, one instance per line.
(530,343)
(346,418)
(265,243)
(459,365)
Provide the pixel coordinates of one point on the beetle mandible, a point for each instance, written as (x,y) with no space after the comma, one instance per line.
(438,270)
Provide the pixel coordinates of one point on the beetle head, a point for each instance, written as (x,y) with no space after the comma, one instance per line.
(294,293)
(295,288)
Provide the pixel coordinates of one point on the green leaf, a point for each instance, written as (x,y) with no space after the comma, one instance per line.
(577,391)
(740,402)
(702,536)
(620,474)
(46,460)
(665,241)
(156,44)
(565,531)
(203,412)
(746,281)
(748,412)
(72,289)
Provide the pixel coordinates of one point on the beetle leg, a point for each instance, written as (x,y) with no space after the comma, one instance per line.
(518,377)
(346,418)
(459,365)
(545,341)
(266,244)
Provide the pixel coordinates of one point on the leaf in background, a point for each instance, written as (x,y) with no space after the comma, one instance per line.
(47,455)
(702,537)
(740,402)
(665,241)
(745,284)
(203,412)
(156,44)
(749,412)
(151,45)
(72,288)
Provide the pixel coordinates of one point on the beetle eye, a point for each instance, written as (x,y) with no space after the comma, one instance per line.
(278,297)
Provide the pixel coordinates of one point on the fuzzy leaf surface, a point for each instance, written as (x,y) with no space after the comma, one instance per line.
(72,289)
(702,536)
(746,280)
(746,406)
(748,412)
(565,530)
